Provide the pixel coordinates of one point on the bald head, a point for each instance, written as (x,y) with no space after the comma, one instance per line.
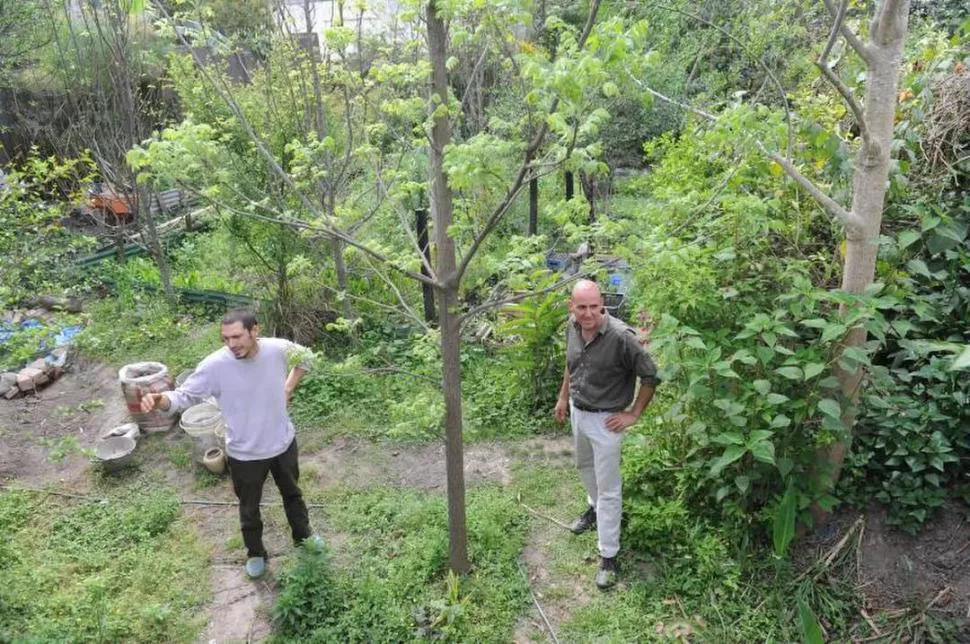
(587,288)
(586,306)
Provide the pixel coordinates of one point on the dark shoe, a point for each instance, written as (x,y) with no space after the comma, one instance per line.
(585,522)
(606,575)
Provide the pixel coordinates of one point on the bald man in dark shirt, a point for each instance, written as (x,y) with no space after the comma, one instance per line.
(604,359)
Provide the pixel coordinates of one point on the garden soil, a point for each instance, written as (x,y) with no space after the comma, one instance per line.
(894,571)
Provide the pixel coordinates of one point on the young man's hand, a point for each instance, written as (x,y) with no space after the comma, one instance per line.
(149,402)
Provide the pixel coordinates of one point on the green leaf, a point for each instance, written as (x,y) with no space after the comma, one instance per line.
(694,341)
(833,332)
(759,435)
(783,523)
(743,482)
(808,624)
(729,438)
(722,492)
(812,369)
(776,399)
(781,420)
(907,238)
(764,452)
(815,323)
(919,267)
(830,407)
(792,373)
(962,361)
(730,455)
(762,387)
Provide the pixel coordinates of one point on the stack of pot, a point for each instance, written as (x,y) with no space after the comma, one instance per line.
(204,423)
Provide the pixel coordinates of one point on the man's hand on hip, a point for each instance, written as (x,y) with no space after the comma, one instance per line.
(619,421)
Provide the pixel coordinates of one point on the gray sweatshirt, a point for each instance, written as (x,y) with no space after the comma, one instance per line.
(251,395)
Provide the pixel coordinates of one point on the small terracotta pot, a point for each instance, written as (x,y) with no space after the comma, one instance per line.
(214,460)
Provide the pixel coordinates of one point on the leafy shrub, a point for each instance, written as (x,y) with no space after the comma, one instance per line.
(134,326)
(35,249)
(911,438)
(310,599)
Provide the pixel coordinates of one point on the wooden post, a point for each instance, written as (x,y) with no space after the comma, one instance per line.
(533,206)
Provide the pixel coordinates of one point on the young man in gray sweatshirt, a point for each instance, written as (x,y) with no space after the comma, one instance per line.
(252,381)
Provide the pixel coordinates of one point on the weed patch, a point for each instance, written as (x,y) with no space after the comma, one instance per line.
(388,581)
(92,571)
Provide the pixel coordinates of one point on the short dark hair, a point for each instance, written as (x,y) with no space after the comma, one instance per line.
(247,317)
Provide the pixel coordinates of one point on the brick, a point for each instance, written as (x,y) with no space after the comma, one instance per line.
(30,379)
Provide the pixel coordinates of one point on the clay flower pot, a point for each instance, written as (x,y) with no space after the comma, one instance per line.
(214,460)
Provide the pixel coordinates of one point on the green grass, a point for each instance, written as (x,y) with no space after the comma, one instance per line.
(136,328)
(388,581)
(90,571)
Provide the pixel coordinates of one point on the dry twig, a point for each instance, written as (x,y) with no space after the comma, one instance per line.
(535,600)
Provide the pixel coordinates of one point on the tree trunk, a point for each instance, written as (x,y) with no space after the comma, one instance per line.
(150,232)
(870,181)
(421,226)
(570,185)
(533,206)
(441,210)
(588,183)
(341,267)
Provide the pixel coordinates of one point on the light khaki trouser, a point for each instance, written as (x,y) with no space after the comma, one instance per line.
(598,460)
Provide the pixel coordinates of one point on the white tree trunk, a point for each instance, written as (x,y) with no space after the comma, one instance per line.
(883,55)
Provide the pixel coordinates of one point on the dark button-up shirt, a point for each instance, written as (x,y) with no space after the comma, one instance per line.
(603,372)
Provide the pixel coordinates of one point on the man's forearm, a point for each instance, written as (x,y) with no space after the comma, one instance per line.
(293,379)
(643,399)
(564,389)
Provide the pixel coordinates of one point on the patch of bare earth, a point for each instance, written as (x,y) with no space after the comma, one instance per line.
(902,576)
(357,463)
(81,403)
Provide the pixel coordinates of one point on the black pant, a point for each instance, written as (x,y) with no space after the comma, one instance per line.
(248,478)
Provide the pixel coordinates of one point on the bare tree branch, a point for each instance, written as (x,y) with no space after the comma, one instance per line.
(833,78)
(848,219)
(330,230)
(848,97)
(380,305)
(850,37)
(886,23)
(467,315)
(397,293)
(690,108)
(513,192)
(472,81)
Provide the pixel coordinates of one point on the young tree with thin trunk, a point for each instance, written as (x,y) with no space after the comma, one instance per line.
(458,240)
